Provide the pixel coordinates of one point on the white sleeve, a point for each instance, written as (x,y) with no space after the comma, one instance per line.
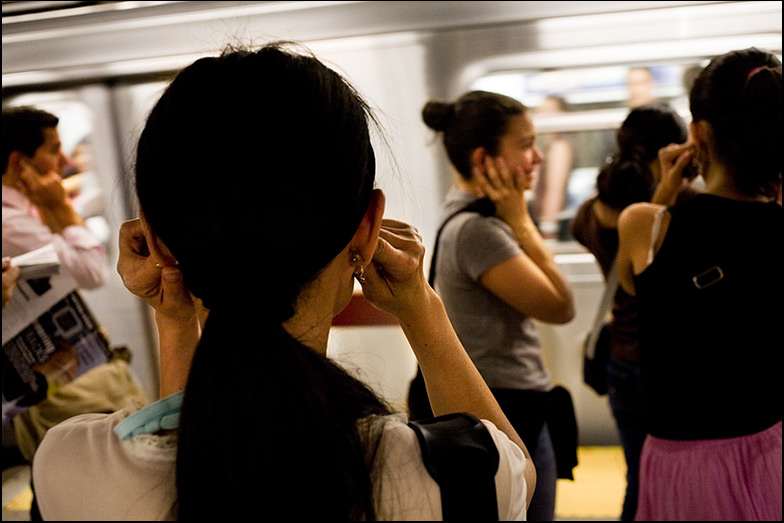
(510,486)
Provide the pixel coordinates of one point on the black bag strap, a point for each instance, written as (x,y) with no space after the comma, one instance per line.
(418,403)
(604,307)
(483,206)
(460,454)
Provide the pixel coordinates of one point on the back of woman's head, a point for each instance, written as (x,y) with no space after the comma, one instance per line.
(627,178)
(476,119)
(255,168)
(739,95)
(261,156)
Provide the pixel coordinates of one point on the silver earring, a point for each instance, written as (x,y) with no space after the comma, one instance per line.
(359,271)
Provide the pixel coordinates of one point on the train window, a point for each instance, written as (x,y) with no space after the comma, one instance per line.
(76,129)
(95,181)
(576,113)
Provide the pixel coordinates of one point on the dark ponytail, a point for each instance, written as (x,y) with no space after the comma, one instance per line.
(269,428)
(760,112)
(255,168)
(739,95)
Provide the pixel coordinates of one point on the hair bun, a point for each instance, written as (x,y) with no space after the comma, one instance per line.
(437,115)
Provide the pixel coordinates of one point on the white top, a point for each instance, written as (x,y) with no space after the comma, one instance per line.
(83,471)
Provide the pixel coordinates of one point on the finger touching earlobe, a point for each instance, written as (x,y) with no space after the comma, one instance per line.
(158,250)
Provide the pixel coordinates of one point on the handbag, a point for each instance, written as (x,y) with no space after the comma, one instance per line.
(596,347)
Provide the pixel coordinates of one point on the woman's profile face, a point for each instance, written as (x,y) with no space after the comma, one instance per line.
(518,148)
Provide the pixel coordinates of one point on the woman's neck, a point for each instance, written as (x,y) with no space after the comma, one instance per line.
(719,183)
(463,184)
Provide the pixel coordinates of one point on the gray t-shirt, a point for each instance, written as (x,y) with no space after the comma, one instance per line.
(502,342)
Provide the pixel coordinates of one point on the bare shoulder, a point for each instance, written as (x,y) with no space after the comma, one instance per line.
(636,245)
(638,215)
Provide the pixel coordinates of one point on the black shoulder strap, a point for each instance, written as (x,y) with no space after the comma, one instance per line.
(482,206)
(460,454)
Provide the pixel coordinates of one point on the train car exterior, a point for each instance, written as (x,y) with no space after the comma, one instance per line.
(101,65)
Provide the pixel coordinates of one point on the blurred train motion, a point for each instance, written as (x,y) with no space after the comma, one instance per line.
(100,66)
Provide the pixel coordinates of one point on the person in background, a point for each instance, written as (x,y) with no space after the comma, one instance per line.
(631,176)
(550,187)
(36,207)
(706,275)
(639,83)
(254,415)
(493,270)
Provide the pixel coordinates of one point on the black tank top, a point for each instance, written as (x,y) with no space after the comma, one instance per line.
(711,321)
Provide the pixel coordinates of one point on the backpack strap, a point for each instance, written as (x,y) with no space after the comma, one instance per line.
(460,454)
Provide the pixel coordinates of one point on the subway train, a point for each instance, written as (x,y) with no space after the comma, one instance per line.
(100,66)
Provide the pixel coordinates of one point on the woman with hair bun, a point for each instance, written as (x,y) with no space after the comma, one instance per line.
(493,270)
(707,278)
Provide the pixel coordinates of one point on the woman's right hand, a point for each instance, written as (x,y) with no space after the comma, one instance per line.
(673,160)
(178,314)
(394,281)
(161,287)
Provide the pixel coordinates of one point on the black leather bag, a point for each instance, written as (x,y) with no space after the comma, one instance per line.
(595,360)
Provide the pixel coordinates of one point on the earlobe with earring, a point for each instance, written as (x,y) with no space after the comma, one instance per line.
(359,269)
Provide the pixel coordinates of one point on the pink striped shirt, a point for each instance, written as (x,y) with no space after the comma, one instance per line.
(79,251)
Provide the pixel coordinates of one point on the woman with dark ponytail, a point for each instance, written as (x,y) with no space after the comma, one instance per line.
(255,175)
(707,279)
(630,176)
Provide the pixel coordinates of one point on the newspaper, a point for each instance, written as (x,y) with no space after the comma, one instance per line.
(50,337)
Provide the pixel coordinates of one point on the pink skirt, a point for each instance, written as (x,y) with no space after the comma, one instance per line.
(735,479)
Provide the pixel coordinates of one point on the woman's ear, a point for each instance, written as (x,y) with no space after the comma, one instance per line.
(478,156)
(365,239)
(158,250)
(701,134)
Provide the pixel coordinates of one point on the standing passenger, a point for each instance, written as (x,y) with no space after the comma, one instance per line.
(551,186)
(630,177)
(493,270)
(36,207)
(707,278)
(255,175)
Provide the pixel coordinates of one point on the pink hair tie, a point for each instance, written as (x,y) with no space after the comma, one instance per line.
(751,73)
